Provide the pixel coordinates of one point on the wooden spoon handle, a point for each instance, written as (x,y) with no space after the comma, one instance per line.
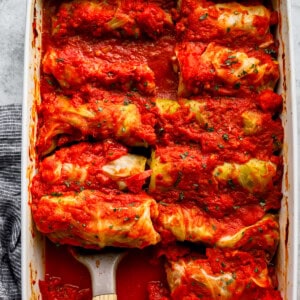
(106,297)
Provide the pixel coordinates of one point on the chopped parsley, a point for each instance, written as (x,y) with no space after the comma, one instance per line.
(276,142)
(49,81)
(237,85)
(178,179)
(184,155)
(262,203)
(196,185)
(181,196)
(225,137)
(230,61)
(231,183)
(270,51)
(59,59)
(67,183)
(230,281)
(161,130)
(244,73)
(203,17)
(210,129)
(126,102)
(56,194)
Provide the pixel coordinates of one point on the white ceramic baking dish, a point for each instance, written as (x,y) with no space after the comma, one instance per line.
(33,243)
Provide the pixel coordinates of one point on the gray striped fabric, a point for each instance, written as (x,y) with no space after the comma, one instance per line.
(10,201)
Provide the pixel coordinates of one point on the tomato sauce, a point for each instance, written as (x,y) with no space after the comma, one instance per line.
(141,274)
(137,273)
(189,28)
(64,273)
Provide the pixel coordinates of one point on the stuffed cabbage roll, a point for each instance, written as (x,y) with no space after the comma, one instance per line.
(219,70)
(71,67)
(193,175)
(254,176)
(209,123)
(225,23)
(119,18)
(224,275)
(90,166)
(93,219)
(63,120)
(189,223)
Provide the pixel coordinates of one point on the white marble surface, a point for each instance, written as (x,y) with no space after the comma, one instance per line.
(12,27)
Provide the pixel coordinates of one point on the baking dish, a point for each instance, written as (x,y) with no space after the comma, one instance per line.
(33,243)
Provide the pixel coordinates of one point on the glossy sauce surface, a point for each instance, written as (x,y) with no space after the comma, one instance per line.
(66,278)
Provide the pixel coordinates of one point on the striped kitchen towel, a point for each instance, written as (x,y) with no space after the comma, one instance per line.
(10,201)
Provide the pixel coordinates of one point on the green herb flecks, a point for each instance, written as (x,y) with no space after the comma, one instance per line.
(203,17)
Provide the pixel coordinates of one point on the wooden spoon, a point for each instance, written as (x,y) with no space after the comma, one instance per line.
(102,267)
